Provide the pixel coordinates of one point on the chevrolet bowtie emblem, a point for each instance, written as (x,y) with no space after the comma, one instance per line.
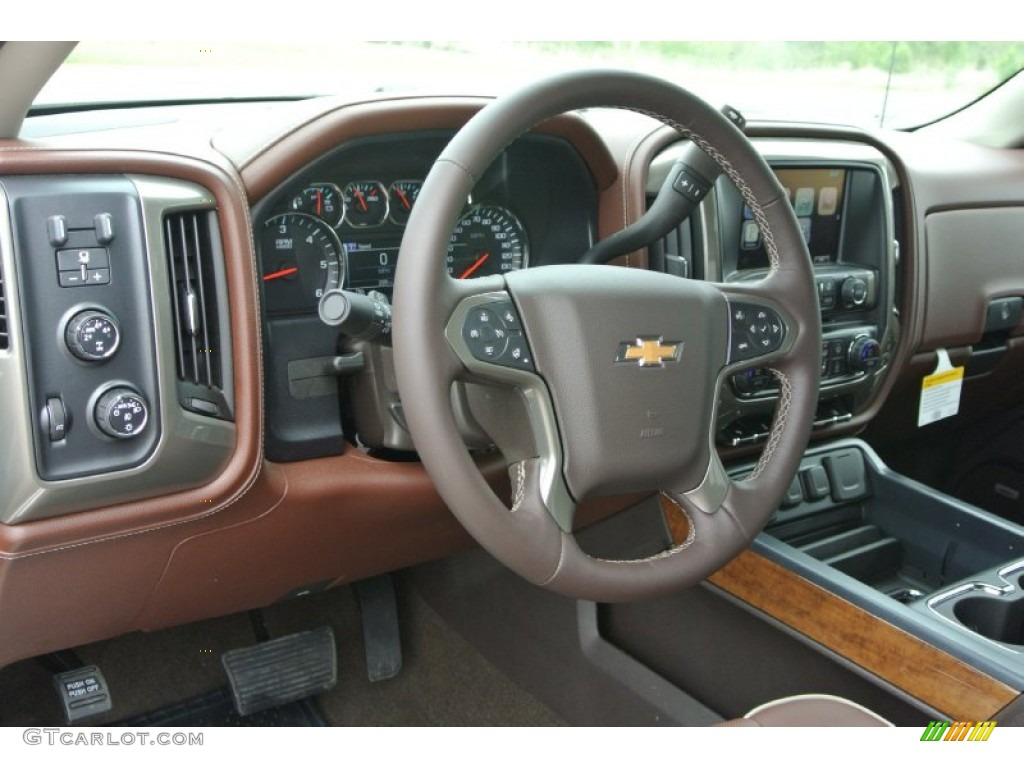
(650,352)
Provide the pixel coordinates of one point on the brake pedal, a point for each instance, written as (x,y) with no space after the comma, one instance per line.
(383,643)
(281,671)
(83,693)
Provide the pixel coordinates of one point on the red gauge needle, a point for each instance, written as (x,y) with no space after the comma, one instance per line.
(474,266)
(319,202)
(281,273)
(404,199)
(362,201)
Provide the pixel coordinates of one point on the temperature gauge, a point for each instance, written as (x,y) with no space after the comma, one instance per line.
(402,195)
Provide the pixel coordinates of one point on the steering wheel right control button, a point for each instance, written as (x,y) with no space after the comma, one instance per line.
(92,336)
(755,330)
(121,413)
(493,334)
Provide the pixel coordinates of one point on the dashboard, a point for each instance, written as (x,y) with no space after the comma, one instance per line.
(273,458)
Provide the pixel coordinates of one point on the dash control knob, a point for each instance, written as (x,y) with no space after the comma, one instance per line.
(92,336)
(864,354)
(121,413)
(855,292)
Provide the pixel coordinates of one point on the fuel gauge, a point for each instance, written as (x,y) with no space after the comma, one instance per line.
(366,203)
(402,195)
(321,200)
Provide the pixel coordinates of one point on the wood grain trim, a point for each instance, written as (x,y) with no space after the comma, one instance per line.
(926,673)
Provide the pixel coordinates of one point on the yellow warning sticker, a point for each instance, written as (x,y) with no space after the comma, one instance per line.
(938,379)
(940,391)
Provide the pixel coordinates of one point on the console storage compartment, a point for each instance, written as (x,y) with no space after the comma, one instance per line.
(932,565)
(886,531)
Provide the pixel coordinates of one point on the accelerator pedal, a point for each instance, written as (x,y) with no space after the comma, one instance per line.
(281,671)
(381,638)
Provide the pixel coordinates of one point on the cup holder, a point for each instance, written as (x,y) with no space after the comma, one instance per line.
(997,618)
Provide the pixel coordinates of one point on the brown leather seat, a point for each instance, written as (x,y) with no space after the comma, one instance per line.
(809,710)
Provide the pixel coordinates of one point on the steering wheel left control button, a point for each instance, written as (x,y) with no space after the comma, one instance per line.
(485,334)
(493,334)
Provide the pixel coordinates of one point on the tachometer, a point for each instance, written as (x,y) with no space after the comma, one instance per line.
(488,240)
(301,258)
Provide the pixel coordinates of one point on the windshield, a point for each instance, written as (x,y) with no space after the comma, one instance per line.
(894,84)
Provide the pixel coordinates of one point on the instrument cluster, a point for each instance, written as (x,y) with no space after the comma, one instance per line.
(348,236)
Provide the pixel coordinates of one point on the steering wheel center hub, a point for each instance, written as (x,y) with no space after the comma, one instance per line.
(630,358)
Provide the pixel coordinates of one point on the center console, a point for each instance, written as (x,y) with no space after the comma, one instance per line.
(941,570)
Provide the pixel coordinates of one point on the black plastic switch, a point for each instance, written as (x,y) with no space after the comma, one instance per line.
(104,225)
(76,258)
(57,230)
(815,482)
(794,494)
(55,419)
(691,186)
(846,473)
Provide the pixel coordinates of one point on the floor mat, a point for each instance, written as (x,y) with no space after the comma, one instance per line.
(216,709)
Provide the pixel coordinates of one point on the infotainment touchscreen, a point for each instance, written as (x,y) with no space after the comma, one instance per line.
(817,196)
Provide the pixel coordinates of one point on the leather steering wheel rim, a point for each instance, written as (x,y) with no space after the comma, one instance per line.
(532,538)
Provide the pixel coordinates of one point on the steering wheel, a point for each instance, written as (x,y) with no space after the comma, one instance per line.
(602,379)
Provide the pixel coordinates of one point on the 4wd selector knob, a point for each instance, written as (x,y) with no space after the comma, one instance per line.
(92,335)
(121,413)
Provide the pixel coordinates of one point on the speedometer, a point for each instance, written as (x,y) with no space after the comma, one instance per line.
(488,240)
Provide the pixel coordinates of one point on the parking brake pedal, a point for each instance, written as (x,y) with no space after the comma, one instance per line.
(83,693)
(281,671)
(380,627)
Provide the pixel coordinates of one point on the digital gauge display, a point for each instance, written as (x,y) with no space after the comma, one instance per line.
(372,263)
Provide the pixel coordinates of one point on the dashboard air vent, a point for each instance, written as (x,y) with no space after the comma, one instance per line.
(3,314)
(195,269)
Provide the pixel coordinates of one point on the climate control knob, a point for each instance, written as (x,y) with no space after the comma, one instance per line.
(121,413)
(92,336)
(864,355)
